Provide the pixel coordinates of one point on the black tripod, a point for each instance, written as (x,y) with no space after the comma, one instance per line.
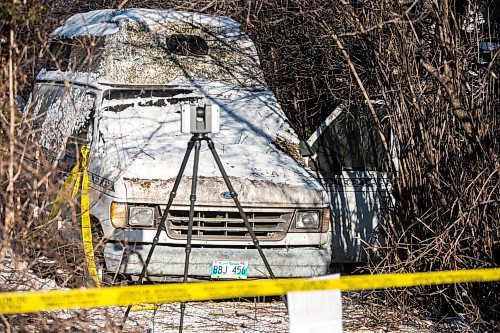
(196,143)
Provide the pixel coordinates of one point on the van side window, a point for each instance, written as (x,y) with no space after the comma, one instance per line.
(58,54)
(352,142)
(78,54)
(187,45)
(86,54)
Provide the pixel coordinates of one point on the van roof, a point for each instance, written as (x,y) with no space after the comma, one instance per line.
(106,21)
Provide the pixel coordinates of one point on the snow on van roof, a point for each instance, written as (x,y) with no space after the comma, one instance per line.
(106,21)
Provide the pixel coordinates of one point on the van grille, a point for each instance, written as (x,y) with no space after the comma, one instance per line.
(212,225)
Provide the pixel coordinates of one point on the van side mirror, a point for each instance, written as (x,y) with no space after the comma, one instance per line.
(305,149)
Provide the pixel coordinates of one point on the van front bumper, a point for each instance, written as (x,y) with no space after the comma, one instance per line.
(169,260)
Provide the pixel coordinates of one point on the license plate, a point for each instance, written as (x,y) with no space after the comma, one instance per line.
(223,269)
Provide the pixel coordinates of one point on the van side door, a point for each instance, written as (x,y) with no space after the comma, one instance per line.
(352,161)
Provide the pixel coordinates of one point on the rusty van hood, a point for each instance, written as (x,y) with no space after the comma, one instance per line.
(212,191)
(141,147)
(272,179)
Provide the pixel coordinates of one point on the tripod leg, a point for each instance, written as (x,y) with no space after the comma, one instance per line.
(234,195)
(192,200)
(161,225)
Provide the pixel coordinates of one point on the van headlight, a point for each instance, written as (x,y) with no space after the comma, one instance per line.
(140,216)
(123,215)
(307,219)
(118,214)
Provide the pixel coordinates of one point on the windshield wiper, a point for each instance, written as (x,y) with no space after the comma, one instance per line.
(117,108)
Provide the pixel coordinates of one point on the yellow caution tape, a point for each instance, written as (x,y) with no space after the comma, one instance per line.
(64,190)
(79,174)
(88,247)
(22,302)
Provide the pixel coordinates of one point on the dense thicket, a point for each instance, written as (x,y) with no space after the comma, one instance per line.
(425,58)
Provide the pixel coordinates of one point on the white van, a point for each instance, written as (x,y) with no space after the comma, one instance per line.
(116,80)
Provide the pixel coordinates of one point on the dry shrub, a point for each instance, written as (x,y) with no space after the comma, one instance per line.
(423,59)
(443,103)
